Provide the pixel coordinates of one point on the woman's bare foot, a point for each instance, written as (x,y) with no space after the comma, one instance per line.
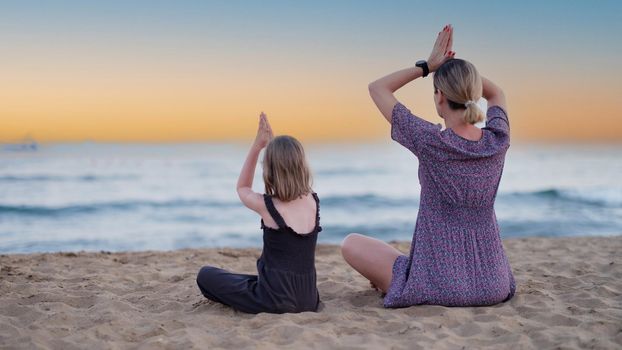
(373,286)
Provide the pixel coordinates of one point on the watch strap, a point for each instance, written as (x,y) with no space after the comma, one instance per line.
(424,66)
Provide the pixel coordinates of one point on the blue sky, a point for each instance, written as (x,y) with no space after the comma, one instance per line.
(530,46)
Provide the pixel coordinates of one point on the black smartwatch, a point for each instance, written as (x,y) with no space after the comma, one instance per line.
(423,65)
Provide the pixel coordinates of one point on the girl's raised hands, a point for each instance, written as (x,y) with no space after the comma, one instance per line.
(442,50)
(264,131)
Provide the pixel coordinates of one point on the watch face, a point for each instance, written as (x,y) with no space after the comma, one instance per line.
(419,62)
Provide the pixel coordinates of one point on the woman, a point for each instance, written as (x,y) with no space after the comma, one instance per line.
(456,256)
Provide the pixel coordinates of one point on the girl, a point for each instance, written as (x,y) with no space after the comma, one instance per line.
(456,256)
(290,220)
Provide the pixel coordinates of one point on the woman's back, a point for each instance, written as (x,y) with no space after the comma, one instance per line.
(456,257)
(458,171)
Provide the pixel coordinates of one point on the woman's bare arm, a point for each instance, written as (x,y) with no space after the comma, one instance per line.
(493,94)
(381,90)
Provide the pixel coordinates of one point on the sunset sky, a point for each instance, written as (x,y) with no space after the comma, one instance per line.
(203,70)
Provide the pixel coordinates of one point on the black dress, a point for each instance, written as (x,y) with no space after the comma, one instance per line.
(286,280)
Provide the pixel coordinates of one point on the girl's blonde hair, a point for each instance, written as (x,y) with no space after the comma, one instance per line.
(460,82)
(286,173)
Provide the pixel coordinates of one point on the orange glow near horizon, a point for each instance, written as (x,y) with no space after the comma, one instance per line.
(314,107)
(317,113)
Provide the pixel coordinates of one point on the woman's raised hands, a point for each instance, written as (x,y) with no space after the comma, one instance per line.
(264,131)
(442,50)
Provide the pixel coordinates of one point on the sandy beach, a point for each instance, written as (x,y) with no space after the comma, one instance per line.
(569,296)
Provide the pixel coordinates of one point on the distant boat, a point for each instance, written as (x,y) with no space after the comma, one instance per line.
(28,144)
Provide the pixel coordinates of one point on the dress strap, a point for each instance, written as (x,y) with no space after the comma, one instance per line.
(273,212)
(317,212)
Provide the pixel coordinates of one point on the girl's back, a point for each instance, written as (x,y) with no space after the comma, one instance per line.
(287,277)
(298,214)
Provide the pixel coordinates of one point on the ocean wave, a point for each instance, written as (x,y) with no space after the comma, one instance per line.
(611,197)
(58,178)
(35,210)
(368,200)
(346,172)
(343,201)
(600,197)
(595,197)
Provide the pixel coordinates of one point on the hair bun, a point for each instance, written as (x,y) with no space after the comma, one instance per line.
(473,114)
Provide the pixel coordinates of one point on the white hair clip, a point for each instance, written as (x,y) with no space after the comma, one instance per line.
(469,102)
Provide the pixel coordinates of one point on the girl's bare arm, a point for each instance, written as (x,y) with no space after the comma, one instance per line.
(251,199)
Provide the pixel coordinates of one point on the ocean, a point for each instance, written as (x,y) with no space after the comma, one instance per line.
(129,197)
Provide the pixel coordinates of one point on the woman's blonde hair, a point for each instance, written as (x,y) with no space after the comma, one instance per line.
(460,82)
(286,174)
